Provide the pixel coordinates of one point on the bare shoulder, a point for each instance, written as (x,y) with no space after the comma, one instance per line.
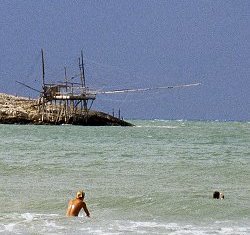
(71,201)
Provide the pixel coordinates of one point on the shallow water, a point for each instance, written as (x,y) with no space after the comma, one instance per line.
(155,178)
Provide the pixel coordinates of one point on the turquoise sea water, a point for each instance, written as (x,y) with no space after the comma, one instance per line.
(155,178)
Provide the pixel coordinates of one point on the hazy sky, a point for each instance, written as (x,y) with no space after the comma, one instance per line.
(135,44)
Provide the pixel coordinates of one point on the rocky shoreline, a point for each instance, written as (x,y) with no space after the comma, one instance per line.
(22,110)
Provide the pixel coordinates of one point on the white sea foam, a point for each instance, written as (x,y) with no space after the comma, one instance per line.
(178,229)
(148,126)
(10,227)
(53,224)
(28,216)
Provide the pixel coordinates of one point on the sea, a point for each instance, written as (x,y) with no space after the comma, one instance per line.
(157,177)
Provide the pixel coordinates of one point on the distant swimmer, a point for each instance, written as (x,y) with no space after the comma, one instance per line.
(218,195)
(75,205)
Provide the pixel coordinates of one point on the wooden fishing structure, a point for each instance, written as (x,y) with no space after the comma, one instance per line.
(63,102)
(70,102)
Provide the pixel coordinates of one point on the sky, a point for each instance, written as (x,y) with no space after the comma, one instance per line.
(134,44)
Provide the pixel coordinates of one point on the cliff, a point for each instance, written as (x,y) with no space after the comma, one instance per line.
(22,110)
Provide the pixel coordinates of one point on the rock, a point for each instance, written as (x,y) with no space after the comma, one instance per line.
(22,110)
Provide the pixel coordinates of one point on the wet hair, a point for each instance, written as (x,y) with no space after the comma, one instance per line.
(80,194)
(216,195)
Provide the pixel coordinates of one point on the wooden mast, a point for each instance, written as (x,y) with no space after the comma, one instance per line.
(43,86)
(43,70)
(83,81)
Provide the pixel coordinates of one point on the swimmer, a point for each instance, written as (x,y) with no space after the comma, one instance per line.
(218,195)
(75,205)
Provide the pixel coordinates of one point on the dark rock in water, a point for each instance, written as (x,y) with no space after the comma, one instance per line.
(22,110)
(94,118)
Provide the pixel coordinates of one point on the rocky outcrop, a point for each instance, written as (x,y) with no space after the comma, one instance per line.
(16,109)
(22,110)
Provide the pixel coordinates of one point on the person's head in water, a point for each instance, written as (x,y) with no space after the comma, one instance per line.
(80,195)
(218,195)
